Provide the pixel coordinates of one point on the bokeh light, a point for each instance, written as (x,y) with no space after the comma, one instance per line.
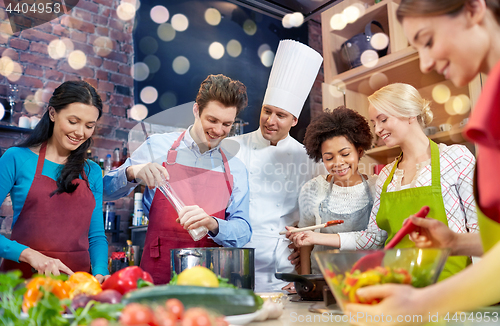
(249,27)
(263,48)
(233,48)
(159,14)
(287,21)
(148,45)
(267,58)
(125,11)
(297,19)
(369,58)
(12,54)
(179,22)
(351,13)
(378,80)
(103,46)
(180,65)
(31,105)
(448,106)
(140,71)
(441,93)
(153,63)
(168,100)
(166,32)
(379,41)
(212,16)
(338,22)
(2,111)
(138,112)
(77,59)
(149,94)
(461,104)
(6,66)
(56,49)
(42,96)
(216,50)
(16,73)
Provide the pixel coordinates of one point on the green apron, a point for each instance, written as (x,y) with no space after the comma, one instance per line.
(489,229)
(396,206)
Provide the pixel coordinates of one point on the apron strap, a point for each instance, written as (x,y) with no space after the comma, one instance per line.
(172,156)
(41,158)
(435,168)
(172,153)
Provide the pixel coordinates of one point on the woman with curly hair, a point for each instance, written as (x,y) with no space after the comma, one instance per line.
(338,138)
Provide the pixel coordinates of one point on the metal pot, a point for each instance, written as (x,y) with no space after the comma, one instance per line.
(308,286)
(235,264)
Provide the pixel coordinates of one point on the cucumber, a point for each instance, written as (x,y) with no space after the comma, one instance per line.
(225,301)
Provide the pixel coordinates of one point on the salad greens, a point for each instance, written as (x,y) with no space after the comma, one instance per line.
(49,309)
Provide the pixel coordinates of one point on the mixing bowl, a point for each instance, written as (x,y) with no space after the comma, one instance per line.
(414,266)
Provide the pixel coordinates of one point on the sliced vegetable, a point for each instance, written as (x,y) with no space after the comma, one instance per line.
(82,282)
(128,279)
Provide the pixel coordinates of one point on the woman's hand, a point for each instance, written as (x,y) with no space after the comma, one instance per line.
(301,239)
(43,264)
(432,233)
(398,301)
(290,288)
(101,278)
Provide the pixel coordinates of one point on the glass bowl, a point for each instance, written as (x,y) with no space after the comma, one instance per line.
(418,267)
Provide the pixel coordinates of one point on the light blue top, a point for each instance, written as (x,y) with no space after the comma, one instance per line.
(18,167)
(235,231)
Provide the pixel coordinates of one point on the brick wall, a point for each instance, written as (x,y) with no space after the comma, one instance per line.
(315,41)
(109,73)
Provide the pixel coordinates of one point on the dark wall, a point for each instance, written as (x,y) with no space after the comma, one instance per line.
(193,44)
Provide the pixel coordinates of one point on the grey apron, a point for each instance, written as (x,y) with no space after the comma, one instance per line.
(355,221)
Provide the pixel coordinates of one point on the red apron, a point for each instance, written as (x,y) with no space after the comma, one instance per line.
(211,190)
(56,226)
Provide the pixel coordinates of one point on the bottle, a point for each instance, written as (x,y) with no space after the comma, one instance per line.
(101,164)
(138,209)
(116,159)
(107,164)
(130,253)
(124,154)
(109,216)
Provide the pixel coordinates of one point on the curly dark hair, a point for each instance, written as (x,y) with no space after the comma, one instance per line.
(339,122)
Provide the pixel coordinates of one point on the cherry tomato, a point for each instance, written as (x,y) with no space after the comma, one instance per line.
(175,307)
(196,317)
(164,317)
(221,321)
(99,322)
(137,314)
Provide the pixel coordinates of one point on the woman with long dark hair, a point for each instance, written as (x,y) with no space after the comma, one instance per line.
(459,39)
(56,192)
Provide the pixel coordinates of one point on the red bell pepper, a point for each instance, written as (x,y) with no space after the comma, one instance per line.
(128,279)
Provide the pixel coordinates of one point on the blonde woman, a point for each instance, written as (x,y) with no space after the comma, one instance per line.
(425,173)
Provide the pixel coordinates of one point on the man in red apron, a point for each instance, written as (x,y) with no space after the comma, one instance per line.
(208,180)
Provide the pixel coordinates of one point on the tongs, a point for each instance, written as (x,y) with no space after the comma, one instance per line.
(166,189)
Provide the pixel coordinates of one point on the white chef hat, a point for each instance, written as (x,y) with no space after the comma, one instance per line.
(294,70)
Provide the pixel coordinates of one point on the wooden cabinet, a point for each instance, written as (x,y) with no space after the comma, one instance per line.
(351,87)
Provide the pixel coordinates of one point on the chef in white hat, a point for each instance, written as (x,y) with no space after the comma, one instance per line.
(278,165)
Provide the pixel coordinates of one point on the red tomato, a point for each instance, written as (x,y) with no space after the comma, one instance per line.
(99,322)
(164,317)
(196,317)
(175,307)
(137,314)
(221,321)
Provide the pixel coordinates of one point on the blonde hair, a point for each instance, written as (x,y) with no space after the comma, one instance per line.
(402,101)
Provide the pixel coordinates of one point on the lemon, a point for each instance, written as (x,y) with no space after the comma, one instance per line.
(198,276)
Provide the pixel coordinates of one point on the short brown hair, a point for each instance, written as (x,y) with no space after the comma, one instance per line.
(224,90)
(339,122)
(424,8)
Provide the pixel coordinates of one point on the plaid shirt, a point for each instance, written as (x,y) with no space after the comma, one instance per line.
(457,171)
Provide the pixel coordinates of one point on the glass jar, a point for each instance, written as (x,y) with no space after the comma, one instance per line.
(109,216)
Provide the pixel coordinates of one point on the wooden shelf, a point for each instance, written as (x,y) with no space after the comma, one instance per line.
(453,136)
(14,129)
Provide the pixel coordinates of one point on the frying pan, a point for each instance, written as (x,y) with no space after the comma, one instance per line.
(308,286)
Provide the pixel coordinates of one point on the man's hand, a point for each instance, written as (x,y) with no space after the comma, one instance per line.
(150,174)
(192,217)
(294,257)
(101,278)
(44,264)
(290,288)
(432,233)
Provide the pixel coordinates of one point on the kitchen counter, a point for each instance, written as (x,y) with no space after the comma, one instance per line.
(300,313)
